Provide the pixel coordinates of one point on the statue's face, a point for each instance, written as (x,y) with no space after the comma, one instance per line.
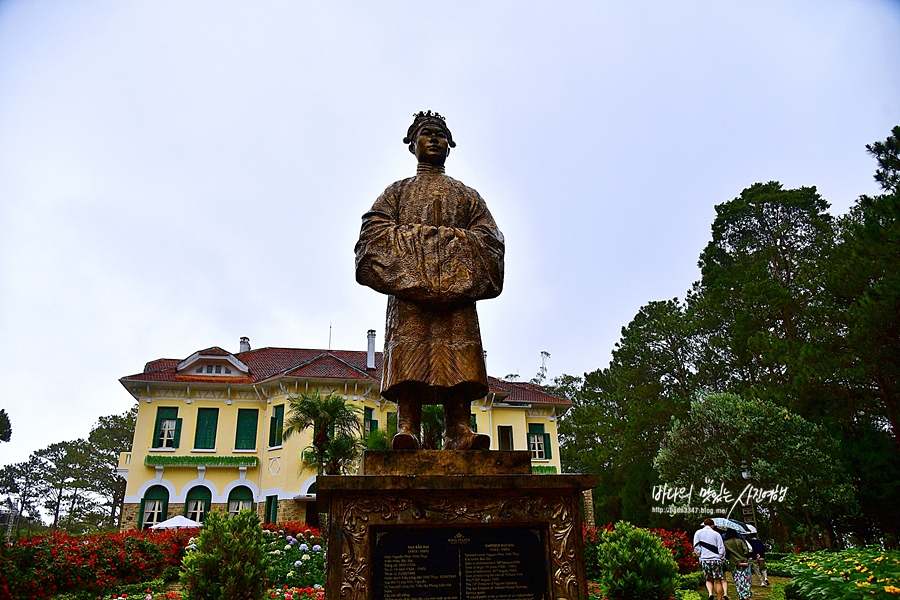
(431,145)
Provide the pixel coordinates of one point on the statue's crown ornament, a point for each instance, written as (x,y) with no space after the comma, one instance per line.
(427,117)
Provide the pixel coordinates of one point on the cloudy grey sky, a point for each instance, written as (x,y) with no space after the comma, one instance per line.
(174,175)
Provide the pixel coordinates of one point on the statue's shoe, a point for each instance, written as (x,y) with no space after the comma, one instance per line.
(405,441)
(470,441)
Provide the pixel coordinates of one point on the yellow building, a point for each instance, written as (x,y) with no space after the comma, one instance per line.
(209,429)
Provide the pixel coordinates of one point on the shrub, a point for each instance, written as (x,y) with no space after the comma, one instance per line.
(230,560)
(691,581)
(777,591)
(635,565)
(777,568)
(682,550)
(687,595)
(676,542)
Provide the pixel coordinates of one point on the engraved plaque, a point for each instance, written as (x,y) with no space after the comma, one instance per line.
(460,563)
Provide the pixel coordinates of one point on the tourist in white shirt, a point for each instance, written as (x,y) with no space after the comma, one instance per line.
(710,549)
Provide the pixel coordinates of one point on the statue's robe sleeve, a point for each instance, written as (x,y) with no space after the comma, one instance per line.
(433,247)
(457,261)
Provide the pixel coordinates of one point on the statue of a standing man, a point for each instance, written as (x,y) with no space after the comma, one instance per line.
(430,243)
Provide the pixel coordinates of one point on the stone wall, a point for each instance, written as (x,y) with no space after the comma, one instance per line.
(291,510)
(129,516)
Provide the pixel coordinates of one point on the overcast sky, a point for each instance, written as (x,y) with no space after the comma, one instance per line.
(175,175)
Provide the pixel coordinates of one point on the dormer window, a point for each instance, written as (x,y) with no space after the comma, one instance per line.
(213,361)
(213,369)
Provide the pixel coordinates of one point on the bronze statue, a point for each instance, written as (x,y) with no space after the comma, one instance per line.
(430,243)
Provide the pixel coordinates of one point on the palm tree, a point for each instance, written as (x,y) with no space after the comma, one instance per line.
(432,426)
(336,428)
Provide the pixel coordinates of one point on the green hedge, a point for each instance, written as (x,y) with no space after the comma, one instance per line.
(156,460)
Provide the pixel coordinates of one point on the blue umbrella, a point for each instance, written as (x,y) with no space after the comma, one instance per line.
(723,523)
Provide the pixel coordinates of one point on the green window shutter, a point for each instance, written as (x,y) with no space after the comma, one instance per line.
(205,435)
(157,443)
(276,426)
(273,423)
(536,428)
(245,438)
(177,433)
(473,422)
(141,515)
(241,492)
(271,509)
(547,446)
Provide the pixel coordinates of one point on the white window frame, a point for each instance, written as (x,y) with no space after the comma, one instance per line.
(152,513)
(236,506)
(167,433)
(536,445)
(196,509)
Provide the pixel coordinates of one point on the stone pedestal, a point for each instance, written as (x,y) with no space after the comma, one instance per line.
(465,525)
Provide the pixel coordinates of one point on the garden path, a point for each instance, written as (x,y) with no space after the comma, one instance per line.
(759,593)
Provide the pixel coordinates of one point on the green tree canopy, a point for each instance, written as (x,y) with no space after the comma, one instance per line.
(5,426)
(887,153)
(724,435)
(758,301)
(622,412)
(109,437)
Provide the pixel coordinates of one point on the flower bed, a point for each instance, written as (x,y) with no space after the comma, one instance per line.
(854,573)
(57,563)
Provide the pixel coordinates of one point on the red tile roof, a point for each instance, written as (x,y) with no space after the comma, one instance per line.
(273,363)
(327,366)
(524,392)
(214,351)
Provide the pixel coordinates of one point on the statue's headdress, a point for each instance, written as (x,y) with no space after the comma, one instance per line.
(427,117)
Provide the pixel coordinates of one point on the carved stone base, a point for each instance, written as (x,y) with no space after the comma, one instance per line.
(464,537)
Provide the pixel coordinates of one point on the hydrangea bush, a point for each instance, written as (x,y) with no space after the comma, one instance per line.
(297,556)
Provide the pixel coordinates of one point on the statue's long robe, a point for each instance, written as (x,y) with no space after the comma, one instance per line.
(430,243)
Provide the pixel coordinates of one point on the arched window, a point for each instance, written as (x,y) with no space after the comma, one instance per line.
(197,503)
(239,499)
(154,507)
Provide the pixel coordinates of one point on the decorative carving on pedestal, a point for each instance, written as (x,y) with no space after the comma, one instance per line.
(357,515)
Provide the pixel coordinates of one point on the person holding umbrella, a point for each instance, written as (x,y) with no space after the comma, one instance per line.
(710,549)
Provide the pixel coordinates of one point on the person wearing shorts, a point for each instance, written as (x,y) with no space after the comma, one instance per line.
(710,549)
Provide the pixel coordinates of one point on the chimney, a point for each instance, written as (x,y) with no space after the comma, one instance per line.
(370,351)
(245,344)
